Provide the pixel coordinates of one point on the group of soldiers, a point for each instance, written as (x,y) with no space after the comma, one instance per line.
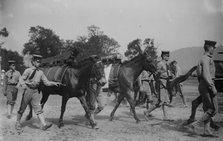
(31,78)
(29,81)
(207,90)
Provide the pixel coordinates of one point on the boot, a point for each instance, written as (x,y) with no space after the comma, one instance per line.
(18,125)
(214,125)
(98,110)
(195,124)
(187,122)
(207,130)
(147,112)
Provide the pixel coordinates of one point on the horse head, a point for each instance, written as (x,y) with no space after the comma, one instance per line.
(98,72)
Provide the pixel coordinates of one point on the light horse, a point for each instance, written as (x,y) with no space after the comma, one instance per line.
(127,75)
(75,80)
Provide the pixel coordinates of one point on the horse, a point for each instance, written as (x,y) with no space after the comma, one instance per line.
(74,80)
(127,75)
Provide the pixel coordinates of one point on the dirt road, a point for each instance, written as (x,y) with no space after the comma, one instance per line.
(123,128)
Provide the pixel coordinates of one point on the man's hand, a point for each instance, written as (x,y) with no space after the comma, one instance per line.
(170,77)
(58,84)
(214,91)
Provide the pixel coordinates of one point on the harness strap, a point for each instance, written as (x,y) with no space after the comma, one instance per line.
(48,72)
(64,73)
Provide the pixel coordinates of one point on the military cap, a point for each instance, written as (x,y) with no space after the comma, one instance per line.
(165,53)
(209,43)
(37,57)
(11,62)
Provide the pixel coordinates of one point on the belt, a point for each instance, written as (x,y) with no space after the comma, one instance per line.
(12,84)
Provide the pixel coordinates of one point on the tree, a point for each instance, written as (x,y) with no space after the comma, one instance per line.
(42,41)
(4,32)
(135,46)
(150,49)
(97,43)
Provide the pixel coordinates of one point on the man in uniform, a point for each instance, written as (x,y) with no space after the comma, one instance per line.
(30,82)
(144,81)
(207,88)
(176,71)
(164,76)
(11,79)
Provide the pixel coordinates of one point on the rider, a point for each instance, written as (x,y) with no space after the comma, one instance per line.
(164,75)
(30,81)
(207,88)
(11,79)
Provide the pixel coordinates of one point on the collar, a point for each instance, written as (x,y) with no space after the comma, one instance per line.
(34,68)
(208,55)
(12,70)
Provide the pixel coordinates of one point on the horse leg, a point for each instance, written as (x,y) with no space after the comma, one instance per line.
(87,110)
(181,95)
(30,115)
(44,99)
(132,104)
(63,108)
(119,100)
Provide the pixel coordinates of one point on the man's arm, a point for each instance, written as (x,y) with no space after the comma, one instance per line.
(5,81)
(47,82)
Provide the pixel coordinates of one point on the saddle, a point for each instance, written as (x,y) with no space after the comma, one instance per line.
(68,57)
(55,73)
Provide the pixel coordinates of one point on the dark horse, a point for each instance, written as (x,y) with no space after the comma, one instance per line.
(127,75)
(74,80)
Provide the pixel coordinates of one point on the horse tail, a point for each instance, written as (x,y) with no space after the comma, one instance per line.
(182,78)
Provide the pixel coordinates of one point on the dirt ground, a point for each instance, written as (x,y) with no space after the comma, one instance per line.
(122,128)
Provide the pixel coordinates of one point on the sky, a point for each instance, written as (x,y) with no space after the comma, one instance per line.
(174,24)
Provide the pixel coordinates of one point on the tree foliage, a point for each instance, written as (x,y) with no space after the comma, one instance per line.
(45,42)
(135,47)
(42,41)
(4,32)
(96,42)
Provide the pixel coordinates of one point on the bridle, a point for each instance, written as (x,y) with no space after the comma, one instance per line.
(97,70)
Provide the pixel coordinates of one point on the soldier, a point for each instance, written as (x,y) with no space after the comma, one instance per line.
(30,82)
(144,79)
(11,79)
(207,88)
(176,71)
(164,76)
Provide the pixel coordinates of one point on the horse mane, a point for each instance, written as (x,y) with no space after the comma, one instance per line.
(133,60)
(83,62)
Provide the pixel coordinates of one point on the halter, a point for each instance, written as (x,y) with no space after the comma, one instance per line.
(95,71)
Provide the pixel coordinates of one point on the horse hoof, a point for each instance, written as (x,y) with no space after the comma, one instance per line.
(60,125)
(28,118)
(94,125)
(138,121)
(111,119)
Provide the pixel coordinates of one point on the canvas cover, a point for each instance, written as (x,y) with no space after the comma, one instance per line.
(218,60)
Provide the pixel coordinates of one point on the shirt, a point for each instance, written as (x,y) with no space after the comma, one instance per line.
(12,77)
(162,69)
(35,81)
(207,69)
